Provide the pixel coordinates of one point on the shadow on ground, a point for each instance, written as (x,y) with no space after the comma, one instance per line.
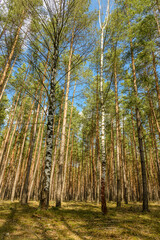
(80,221)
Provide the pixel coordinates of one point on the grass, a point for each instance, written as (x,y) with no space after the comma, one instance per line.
(78,221)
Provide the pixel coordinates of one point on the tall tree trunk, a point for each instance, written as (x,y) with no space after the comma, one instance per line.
(20,157)
(5,84)
(94,187)
(156,79)
(8,130)
(97,148)
(124,168)
(55,155)
(117,135)
(155,150)
(113,159)
(3,30)
(103,176)
(10,144)
(56,145)
(62,146)
(6,181)
(70,170)
(38,158)
(82,171)
(68,138)
(153,111)
(36,152)
(44,195)
(136,159)
(24,199)
(2,80)
(139,130)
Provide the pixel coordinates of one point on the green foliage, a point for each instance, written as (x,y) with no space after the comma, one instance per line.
(76,220)
(4,104)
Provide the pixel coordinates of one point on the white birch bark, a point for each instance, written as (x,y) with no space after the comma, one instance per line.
(55,147)
(44,195)
(103,176)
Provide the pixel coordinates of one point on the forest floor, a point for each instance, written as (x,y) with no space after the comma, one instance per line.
(78,221)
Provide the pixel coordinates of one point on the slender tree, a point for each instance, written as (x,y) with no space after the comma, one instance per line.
(103,177)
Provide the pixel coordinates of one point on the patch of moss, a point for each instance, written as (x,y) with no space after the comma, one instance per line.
(79,221)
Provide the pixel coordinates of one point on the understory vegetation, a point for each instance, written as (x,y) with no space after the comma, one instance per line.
(80,119)
(78,221)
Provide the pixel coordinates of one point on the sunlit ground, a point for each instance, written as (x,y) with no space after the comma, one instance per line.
(77,220)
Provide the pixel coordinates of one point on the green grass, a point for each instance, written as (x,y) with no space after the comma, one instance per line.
(78,221)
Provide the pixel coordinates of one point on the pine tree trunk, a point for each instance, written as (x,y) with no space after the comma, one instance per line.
(139,131)
(156,79)
(3,30)
(82,171)
(38,158)
(113,160)
(153,111)
(5,84)
(35,154)
(157,21)
(124,168)
(68,138)
(136,159)
(156,151)
(94,187)
(9,147)
(6,181)
(97,149)
(90,173)
(118,137)
(70,171)
(8,131)
(2,81)
(20,157)
(24,199)
(62,146)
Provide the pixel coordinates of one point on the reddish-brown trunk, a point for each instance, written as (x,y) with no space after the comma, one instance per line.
(156,79)
(2,81)
(139,131)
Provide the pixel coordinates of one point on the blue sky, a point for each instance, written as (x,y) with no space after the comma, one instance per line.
(94,6)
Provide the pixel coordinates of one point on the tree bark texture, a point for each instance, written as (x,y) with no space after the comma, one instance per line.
(63,138)
(44,195)
(139,131)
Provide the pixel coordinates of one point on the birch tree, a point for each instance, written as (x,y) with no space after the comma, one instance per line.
(59,17)
(103,176)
